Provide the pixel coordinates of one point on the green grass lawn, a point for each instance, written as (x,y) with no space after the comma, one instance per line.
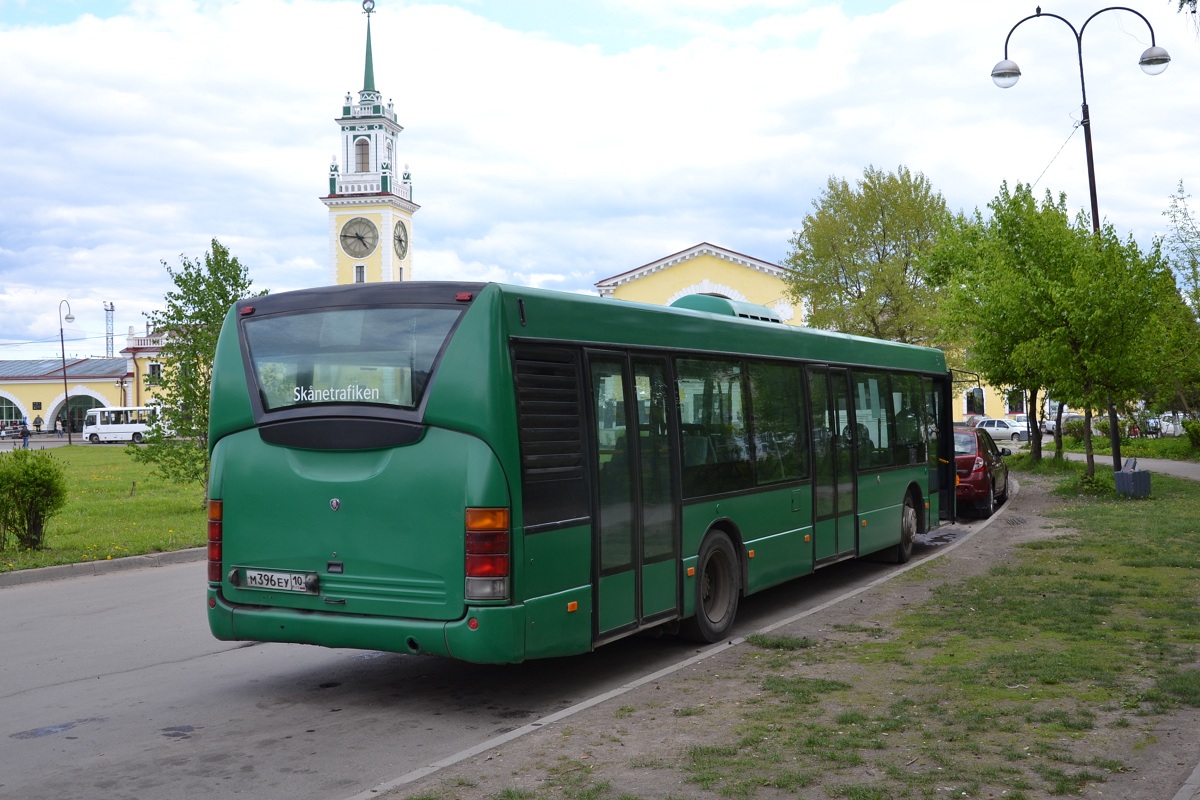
(114,508)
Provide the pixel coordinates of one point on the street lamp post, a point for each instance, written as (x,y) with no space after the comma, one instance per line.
(63,351)
(1154,61)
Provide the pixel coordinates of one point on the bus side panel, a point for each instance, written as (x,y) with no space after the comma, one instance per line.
(557,592)
(472,391)
(883,494)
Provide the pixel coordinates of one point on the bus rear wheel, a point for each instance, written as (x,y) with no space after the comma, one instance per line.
(137,438)
(909,528)
(718,589)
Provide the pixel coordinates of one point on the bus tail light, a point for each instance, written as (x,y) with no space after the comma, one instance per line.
(488,553)
(215,509)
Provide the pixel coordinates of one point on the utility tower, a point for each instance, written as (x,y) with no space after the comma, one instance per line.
(109,308)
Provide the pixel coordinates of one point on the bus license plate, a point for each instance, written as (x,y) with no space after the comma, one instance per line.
(276,581)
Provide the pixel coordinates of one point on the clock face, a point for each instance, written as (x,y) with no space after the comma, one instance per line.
(359,237)
(400,240)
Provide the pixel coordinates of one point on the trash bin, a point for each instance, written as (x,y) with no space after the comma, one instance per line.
(1131,481)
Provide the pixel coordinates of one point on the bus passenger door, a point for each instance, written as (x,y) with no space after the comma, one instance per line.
(637,519)
(833,478)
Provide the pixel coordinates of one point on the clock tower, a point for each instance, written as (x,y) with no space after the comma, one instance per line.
(370,209)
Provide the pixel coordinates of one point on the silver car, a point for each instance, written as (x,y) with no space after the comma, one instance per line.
(1003,430)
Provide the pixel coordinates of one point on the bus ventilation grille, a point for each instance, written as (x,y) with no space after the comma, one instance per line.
(549,415)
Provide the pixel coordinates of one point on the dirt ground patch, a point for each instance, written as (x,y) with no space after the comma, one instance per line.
(636,745)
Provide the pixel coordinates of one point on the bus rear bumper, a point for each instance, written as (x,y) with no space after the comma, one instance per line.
(489,635)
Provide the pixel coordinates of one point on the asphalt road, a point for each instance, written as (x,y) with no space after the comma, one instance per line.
(111,686)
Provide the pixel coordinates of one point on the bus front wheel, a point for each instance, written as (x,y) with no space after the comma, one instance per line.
(718,588)
(94,438)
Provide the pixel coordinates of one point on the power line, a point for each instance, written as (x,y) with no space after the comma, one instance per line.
(1074,128)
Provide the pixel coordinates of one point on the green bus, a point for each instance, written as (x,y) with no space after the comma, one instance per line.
(497,473)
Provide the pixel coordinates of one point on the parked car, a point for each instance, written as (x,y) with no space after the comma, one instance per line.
(1002,429)
(982,473)
(974,419)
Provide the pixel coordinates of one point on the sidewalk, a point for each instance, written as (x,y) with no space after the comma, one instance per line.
(79,569)
(1180,469)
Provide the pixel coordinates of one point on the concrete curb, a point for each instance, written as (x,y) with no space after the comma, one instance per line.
(23,577)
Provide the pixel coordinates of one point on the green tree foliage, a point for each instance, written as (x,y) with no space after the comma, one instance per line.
(33,488)
(1180,386)
(177,447)
(1044,302)
(1183,246)
(855,263)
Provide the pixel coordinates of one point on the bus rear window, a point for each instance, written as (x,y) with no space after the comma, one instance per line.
(371,356)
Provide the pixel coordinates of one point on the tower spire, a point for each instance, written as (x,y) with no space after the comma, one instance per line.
(369,70)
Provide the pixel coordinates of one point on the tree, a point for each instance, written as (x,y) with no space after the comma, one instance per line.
(996,305)
(855,263)
(1046,302)
(1183,245)
(1179,389)
(177,446)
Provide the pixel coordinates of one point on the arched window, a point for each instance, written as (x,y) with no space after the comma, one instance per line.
(362,155)
(9,413)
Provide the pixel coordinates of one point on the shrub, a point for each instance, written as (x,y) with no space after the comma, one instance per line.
(1074,429)
(33,488)
(1192,429)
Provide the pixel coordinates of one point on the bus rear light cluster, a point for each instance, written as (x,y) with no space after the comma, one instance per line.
(215,508)
(488,559)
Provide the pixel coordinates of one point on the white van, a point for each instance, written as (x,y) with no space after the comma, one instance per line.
(121,424)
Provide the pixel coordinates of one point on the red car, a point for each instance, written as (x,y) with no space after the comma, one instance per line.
(982,473)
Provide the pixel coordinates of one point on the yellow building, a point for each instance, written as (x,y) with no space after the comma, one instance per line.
(142,367)
(705,269)
(370,211)
(33,391)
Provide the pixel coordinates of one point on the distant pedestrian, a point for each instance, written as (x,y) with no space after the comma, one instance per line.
(37,423)
(24,435)
(58,428)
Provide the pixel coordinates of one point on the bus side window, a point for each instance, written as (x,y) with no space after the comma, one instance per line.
(875,416)
(780,422)
(713,409)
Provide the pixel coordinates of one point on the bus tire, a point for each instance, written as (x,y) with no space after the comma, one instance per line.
(910,526)
(94,438)
(137,437)
(718,589)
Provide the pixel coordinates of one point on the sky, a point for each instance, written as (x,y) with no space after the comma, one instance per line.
(551,143)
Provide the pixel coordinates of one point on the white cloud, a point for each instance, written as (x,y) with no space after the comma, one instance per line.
(552,148)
